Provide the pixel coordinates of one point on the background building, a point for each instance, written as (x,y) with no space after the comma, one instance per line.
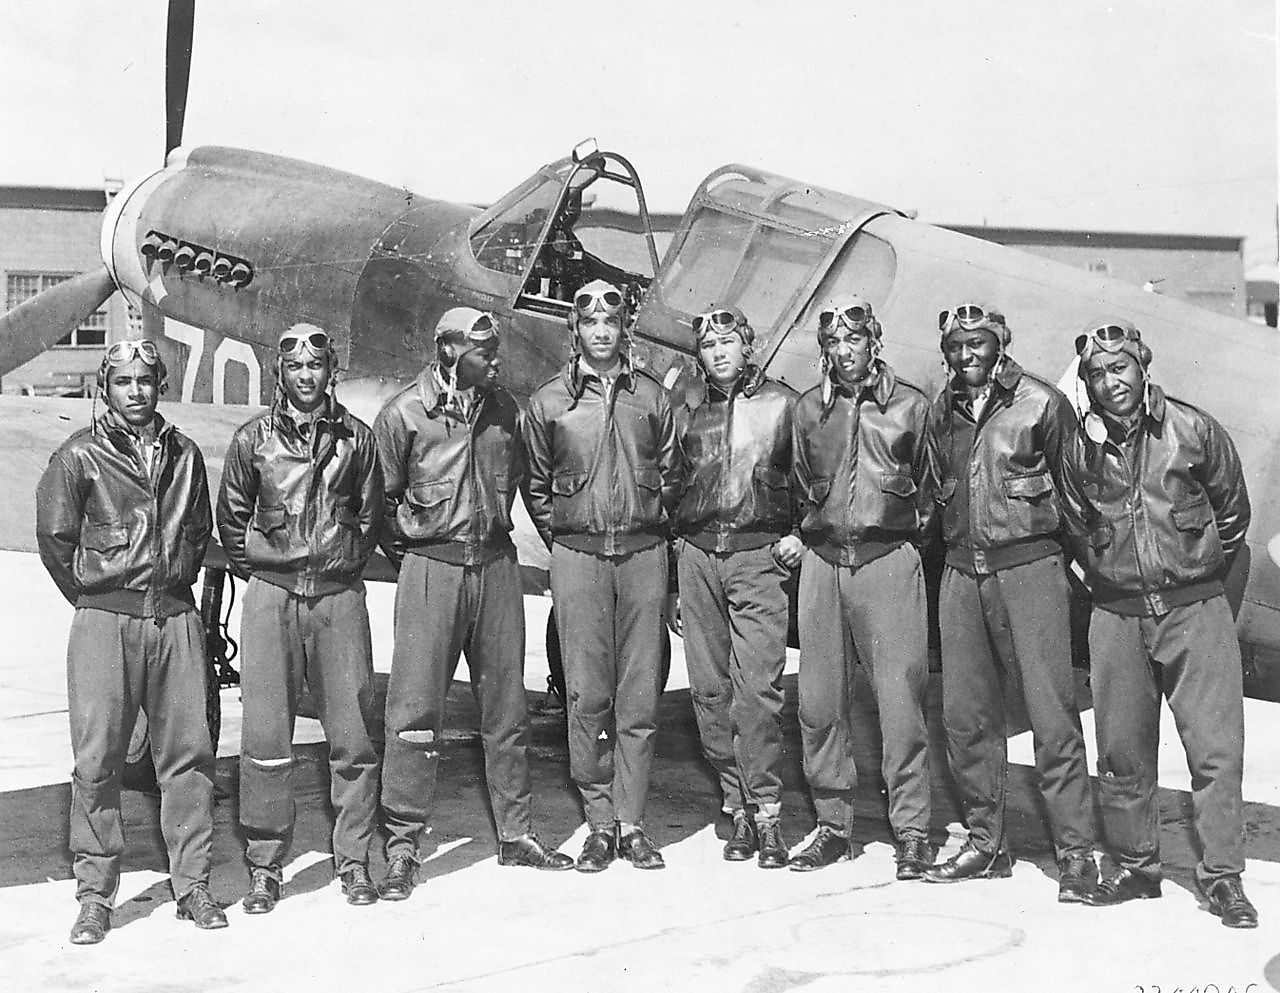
(47,235)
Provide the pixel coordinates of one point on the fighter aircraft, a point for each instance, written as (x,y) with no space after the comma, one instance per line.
(223,248)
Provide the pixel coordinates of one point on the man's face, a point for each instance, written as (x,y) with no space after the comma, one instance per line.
(132,392)
(849,352)
(479,366)
(723,355)
(306,377)
(972,355)
(600,337)
(1114,380)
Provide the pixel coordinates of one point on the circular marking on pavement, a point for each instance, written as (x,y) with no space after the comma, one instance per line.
(884,944)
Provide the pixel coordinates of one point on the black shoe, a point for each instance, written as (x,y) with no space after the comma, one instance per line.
(827,848)
(528,850)
(969,863)
(597,852)
(636,848)
(1227,900)
(357,886)
(914,856)
(1122,886)
(1077,876)
(92,924)
(773,848)
(199,906)
(402,876)
(742,844)
(264,890)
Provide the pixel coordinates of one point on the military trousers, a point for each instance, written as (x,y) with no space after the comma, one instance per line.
(442,611)
(1190,656)
(609,611)
(990,625)
(117,663)
(324,640)
(733,606)
(875,613)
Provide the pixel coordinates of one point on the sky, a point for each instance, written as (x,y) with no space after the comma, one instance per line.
(1131,115)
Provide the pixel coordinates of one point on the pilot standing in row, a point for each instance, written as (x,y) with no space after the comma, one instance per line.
(737,552)
(997,435)
(452,459)
(603,470)
(122,522)
(862,480)
(298,514)
(1158,498)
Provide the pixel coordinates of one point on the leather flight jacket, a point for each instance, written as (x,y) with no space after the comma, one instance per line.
(450,478)
(604,464)
(115,536)
(1157,514)
(997,475)
(301,510)
(861,467)
(737,447)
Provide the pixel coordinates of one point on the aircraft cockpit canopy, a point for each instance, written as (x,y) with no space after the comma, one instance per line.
(573,221)
(768,245)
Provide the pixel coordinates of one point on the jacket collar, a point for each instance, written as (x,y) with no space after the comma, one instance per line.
(747,385)
(878,385)
(575,380)
(116,430)
(332,413)
(433,398)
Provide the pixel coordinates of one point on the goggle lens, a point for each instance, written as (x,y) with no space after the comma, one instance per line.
(855,317)
(317,341)
(126,351)
(586,303)
(1109,337)
(719,320)
(968,315)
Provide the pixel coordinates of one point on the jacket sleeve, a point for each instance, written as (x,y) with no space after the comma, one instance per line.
(391,438)
(536,433)
(237,497)
(1222,477)
(372,494)
(801,473)
(925,477)
(670,456)
(199,516)
(935,471)
(1058,431)
(59,511)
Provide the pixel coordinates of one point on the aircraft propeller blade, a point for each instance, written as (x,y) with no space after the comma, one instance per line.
(41,321)
(177,69)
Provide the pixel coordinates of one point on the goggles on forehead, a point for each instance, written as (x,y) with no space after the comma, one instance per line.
(855,317)
(715,320)
(483,329)
(587,302)
(968,316)
(1109,337)
(126,351)
(317,341)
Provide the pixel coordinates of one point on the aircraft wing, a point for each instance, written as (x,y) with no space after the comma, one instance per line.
(32,428)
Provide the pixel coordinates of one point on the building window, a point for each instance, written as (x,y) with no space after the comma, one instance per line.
(23,286)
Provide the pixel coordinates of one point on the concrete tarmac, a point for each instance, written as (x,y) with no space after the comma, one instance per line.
(701,924)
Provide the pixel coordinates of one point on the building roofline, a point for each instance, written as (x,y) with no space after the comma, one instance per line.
(52,198)
(1099,239)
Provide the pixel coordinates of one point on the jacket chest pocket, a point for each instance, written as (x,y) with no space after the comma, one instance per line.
(1032,504)
(898,493)
(772,494)
(1196,532)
